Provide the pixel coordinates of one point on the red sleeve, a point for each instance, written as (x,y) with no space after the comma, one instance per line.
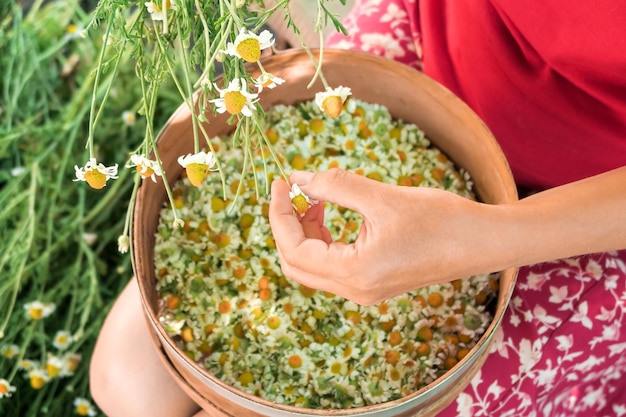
(548,78)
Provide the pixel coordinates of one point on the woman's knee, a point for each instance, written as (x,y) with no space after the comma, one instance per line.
(127,377)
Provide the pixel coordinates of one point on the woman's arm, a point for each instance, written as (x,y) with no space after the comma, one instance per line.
(413,236)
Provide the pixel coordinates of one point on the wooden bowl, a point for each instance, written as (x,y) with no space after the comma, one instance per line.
(409,95)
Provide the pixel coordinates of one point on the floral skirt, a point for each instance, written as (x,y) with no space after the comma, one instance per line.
(561,350)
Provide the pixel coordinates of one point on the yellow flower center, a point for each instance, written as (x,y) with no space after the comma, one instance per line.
(197,173)
(295,361)
(95,179)
(72,363)
(298,162)
(347,352)
(246,378)
(145,171)
(335,368)
(52,370)
(383,308)
(82,409)
(221,240)
(234,101)
(35,313)
(224,307)
(273,322)
(332,106)
(300,204)
(129,118)
(249,50)
(316,125)
(37,381)
(4,390)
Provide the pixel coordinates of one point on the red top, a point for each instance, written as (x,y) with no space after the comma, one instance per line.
(548,78)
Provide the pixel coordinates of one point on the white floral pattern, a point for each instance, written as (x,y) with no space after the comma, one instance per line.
(561,350)
(385,28)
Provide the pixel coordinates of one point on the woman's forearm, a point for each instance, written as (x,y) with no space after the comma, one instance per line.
(582,217)
(413,236)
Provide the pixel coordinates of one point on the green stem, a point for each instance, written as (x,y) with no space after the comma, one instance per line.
(269,145)
(207,40)
(29,229)
(93,288)
(221,44)
(150,105)
(165,16)
(189,95)
(94,96)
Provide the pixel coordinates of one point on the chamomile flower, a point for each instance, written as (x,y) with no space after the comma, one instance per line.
(83,407)
(38,377)
(123,243)
(338,366)
(95,174)
(70,363)
(173,325)
(331,101)
(300,201)
(298,361)
(17,171)
(248,46)
(146,167)
(62,340)
(158,8)
(235,98)
(267,80)
(36,310)
(27,365)
(9,351)
(74,31)
(197,166)
(90,238)
(54,365)
(374,389)
(6,389)
(178,224)
(129,117)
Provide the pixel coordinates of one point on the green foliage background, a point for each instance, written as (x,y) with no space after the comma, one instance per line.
(46,82)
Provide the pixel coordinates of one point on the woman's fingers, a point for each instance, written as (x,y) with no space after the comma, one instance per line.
(316,256)
(340,187)
(313,223)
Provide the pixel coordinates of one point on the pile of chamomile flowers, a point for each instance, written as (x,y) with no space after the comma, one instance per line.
(226,303)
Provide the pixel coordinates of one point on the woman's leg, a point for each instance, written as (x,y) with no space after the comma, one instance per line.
(127,377)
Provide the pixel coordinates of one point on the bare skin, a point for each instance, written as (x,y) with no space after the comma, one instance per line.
(125,370)
(415,237)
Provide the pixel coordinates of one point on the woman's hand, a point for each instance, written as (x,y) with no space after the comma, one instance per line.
(410,236)
(413,236)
